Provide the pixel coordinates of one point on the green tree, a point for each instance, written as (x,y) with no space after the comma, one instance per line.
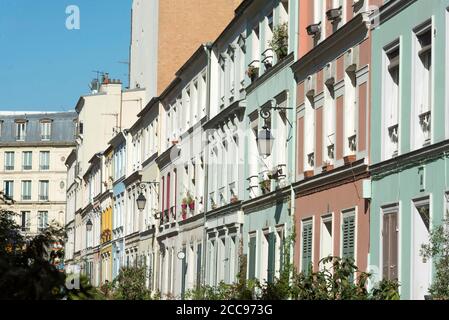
(438,250)
(25,269)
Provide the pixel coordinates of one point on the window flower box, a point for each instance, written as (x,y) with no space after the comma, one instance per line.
(328,167)
(308,174)
(349,159)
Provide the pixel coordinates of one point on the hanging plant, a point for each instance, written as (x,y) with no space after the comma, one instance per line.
(279,43)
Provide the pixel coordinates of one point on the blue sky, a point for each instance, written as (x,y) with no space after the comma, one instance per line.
(46,67)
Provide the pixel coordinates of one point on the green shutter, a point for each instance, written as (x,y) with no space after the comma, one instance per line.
(252,258)
(198,265)
(271,257)
(348,236)
(306,247)
(184,272)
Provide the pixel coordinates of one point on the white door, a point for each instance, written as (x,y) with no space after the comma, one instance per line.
(420,235)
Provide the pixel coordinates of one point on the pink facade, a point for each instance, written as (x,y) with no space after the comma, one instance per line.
(332,74)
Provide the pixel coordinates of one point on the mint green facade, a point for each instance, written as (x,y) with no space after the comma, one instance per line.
(268,214)
(416,174)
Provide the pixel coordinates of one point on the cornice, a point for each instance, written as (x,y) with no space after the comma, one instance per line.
(352,33)
(411,159)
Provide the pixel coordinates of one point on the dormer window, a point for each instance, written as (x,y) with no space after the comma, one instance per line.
(45,130)
(21,127)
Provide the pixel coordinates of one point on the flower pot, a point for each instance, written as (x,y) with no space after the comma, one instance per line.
(308,174)
(349,159)
(328,167)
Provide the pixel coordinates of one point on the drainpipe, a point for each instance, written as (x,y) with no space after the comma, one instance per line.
(292,179)
(208,48)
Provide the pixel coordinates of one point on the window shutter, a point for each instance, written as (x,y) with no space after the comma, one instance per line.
(394,246)
(348,236)
(198,265)
(306,247)
(271,257)
(184,272)
(252,258)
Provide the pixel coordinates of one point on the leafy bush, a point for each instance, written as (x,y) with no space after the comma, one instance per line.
(130,284)
(386,290)
(280,40)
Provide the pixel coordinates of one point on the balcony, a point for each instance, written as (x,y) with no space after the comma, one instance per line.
(43,197)
(26,197)
(26,167)
(44,167)
(9,168)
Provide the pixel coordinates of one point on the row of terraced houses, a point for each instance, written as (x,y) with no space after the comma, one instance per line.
(247,120)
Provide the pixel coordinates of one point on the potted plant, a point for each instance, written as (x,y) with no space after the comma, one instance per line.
(274,174)
(184,208)
(279,43)
(265,186)
(190,202)
(253,72)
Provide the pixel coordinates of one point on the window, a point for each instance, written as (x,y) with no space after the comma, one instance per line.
(25,221)
(348,232)
(9,161)
(21,130)
(43,190)
(423,86)
(350,112)
(45,130)
(44,160)
(27,160)
(1,127)
(390,232)
(26,190)
(326,238)
(391,100)
(8,188)
(42,220)
(221,62)
(306,254)
(329,123)
(309,133)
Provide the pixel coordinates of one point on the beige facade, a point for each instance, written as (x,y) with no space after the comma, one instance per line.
(32,167)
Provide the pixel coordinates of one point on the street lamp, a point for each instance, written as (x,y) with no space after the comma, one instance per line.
(141,201)
(265,141)
(89,225)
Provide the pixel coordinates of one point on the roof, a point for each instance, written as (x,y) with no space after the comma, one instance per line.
(62,127)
